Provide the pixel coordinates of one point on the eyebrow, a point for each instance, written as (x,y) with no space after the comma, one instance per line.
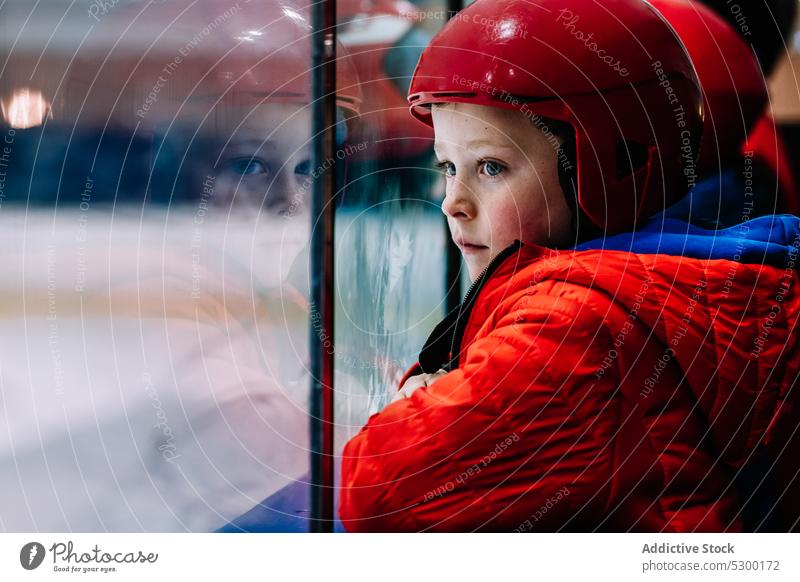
(252,142)
(482,142)
(479,142)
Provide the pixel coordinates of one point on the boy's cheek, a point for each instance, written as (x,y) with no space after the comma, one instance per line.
(506,226)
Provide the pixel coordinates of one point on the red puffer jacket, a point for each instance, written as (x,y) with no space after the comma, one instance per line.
(594,390)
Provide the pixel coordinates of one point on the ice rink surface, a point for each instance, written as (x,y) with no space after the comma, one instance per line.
(154,367)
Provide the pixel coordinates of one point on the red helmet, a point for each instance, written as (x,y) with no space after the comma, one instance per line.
(202,87)
(200,52)
(384,40)
(614,70)
(733,85)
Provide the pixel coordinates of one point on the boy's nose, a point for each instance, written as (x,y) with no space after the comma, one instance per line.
(457,201)
(287,195)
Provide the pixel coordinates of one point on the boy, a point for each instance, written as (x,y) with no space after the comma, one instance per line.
(583,390)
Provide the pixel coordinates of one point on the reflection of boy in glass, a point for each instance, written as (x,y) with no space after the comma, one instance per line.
(228,131)
(274,169)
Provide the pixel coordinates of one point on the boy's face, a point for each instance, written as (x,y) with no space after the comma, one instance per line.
(261,158)
(502,181)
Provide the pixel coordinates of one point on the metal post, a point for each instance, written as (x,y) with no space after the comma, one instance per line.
(454,6)
(452,271)
(323,63)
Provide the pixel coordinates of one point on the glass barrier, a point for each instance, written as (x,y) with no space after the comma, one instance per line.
(154,214)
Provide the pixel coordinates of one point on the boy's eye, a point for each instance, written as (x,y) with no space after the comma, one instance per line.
(303,168)
(492,168)
(246,166)
(447,168)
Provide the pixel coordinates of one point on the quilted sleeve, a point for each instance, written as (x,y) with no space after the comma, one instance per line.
(517,438)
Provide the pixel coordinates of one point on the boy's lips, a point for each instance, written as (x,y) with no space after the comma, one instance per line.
(468,246)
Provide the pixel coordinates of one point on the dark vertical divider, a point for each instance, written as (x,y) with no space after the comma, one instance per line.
(452,271)
(323,57)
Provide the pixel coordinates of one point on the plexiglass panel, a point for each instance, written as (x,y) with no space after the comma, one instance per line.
(154,201)
(154,216)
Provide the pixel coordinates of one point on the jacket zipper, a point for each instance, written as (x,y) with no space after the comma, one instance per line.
(469,299)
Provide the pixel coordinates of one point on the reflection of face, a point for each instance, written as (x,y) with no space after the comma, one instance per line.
(502,181)
(263,158)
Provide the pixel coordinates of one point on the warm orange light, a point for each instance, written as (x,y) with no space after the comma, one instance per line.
(26,108)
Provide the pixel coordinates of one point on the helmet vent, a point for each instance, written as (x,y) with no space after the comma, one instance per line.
(452,94)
